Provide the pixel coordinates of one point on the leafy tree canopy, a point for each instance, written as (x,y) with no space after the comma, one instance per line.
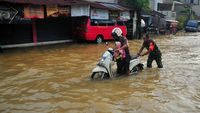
(138,4)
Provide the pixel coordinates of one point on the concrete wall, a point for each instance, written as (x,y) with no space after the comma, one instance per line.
(196,9)
(154,4)
(195,2)
(107,1)
(195,5)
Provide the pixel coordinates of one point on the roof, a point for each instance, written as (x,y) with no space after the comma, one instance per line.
(152,12)
(172,21)
(100,5)
(48,2)
(114,7)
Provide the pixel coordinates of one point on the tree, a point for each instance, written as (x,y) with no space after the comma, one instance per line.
(138,5)
(181,22)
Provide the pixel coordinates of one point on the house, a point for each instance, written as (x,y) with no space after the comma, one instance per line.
(174,9)
(37,22)
(28,22)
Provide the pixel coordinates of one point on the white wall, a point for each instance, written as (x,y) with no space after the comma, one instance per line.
(107,1)
(169,15)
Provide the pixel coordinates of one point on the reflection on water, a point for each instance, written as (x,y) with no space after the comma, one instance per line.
(56,79)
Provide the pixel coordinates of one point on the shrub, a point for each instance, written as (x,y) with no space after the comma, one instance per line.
(181,22)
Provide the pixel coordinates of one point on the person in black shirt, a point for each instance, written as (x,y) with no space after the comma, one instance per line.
(122,64)
(153,51)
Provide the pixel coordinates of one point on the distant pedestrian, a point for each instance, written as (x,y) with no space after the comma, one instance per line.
(152,50)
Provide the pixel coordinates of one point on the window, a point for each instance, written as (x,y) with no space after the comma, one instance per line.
(193,2)
(174,14)
(94,23)
(121,23)
(102,22)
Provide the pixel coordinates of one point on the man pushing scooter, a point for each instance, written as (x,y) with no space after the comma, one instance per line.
(152,50)
(120,54)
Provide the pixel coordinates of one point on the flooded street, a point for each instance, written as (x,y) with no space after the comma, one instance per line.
(57,79)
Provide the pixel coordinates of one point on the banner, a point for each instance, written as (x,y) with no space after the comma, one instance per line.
(33,11)
(56,11)
(99,14)
(77,10)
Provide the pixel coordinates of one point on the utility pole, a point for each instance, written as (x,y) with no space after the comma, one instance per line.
(173,5)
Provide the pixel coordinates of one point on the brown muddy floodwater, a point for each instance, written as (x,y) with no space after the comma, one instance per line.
(57,79)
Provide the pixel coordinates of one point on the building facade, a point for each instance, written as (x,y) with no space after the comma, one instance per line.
(194,4)
(171,9)
(105,1)
(38,22)
(153,4)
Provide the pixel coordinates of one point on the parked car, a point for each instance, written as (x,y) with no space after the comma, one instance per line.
(192,26)
(88,29)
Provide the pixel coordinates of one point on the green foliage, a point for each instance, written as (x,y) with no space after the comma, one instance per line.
(186,11)
(181,22)
(138,4)
(191,14)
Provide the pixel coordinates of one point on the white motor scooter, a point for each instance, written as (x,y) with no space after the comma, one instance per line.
(104,67)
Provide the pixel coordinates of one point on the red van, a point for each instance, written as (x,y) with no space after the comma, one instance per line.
(88,29)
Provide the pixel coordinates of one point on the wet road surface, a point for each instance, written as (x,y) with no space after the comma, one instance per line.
(57,79)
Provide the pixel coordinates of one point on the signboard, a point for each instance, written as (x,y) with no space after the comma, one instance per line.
(124,16)
(7,14)
(99,14)
(77,10)
(33,11)
(56,11)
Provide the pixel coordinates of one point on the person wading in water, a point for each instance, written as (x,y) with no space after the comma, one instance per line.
(152,50)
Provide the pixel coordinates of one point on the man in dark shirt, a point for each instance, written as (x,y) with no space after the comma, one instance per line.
(122,65)
(152,50)
(126,61)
